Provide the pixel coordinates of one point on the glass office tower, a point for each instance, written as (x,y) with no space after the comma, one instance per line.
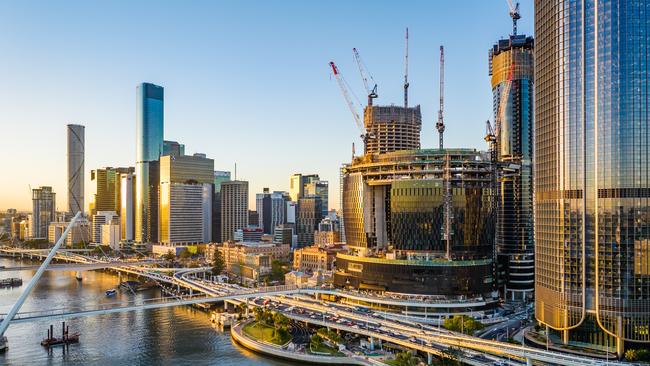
(592,165)
(149,148)
(511,68)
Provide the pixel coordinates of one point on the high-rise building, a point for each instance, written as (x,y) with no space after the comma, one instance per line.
(511,68)
(219,177)
(319,188)
(298,183)
(263,208)
(234,208)
(43,212)
(592,155)
(271,209)
(106,184)
(173,148)
(127,205)
(253,218)
(392,128)
(149,148)
(76,151)
(185,211)
(309,214)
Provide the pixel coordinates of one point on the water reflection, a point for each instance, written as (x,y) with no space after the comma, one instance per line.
(168,336)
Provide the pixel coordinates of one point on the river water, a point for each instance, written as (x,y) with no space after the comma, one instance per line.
(168,336)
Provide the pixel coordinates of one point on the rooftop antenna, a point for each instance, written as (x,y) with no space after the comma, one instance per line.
(440,125)
(406,70)
(235,171)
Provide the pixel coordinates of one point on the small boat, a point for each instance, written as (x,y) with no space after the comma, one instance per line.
(111,292)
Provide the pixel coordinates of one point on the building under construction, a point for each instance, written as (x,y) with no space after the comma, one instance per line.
(511,69)
(392,128)
(418,222)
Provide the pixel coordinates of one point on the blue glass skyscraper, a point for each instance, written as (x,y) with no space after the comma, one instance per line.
(592,171)
(149,148)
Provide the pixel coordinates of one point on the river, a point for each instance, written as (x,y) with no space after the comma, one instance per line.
(168,336)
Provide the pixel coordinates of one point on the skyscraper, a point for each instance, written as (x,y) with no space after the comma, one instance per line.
(511,68)
(319,188)
(271,209)
(298,183)
(219,177)
(76,150)
(149,148)
(185,212)
(592,156)
(127,203)
(106,185)
(308,215)
(43,212)
(234,208)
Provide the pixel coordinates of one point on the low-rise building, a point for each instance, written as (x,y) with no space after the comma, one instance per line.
(249,234)
(296,278)
(325,238)
(250,260)
(111,235)
(316,258)
(79,233)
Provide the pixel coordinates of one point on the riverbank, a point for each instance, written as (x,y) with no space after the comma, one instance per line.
(173,336)
(237,334)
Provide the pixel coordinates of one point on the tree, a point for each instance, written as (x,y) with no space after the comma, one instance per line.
(185,254)
(259,314)
(277,270)
(169,257)
(463,323)
(316,341)
(218,263)
(406,358)
(637,355)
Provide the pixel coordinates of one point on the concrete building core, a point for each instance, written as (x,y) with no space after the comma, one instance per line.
(392,128)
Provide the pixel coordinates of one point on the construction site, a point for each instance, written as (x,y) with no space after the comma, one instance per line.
(417,221)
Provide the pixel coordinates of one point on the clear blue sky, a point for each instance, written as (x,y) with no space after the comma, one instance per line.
(245,81)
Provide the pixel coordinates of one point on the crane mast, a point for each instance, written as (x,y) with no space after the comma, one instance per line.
(363,70)
(348,100)
(406,70)
(514,14)
(440,125)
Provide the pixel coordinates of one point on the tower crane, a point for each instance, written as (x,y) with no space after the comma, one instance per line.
(344,90)
(440,125)
(406,70)
(363,70)
(491,139)
(514,14)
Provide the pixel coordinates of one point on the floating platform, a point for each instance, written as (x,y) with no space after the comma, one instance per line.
(11,282)
(65,339)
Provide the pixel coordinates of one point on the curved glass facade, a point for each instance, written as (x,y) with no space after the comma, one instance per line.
(592,177)
(511,68)
(394,208)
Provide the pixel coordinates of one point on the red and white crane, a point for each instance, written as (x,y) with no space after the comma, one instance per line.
(344,90)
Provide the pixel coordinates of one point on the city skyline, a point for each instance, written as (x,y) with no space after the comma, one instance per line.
(201,100)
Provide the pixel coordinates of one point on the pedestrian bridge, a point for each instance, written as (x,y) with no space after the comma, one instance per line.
(156,303)
(82,266)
